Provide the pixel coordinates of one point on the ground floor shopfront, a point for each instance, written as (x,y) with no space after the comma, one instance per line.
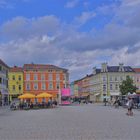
(4,98)
(13,97)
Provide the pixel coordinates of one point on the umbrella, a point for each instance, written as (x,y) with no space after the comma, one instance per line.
(26,96)
(44,95)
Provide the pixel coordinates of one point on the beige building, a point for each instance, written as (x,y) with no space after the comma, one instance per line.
(105,81)
(137,79)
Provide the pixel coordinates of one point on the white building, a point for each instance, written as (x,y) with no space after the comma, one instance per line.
(3,83)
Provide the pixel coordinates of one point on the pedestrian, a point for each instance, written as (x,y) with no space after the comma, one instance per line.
(130,104)
(105,101)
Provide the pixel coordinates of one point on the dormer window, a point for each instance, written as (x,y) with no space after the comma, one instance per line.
(104,67)
(121,68)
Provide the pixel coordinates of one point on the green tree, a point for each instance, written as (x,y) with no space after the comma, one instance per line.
(127,86)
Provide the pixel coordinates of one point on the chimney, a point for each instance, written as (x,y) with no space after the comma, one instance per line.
(94,70)
(104,67)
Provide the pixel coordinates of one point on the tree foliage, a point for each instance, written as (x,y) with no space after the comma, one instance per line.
(127,86)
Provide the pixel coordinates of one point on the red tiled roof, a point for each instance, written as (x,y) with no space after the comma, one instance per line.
(136,69)
(16,69)
(2,63)
(40,67)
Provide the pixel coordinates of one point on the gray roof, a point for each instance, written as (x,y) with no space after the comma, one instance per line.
(116,69)
(42,67)
(2,63)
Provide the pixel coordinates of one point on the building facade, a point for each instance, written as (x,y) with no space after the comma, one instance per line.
(137,79)
(15,82)
(75,90)
(104,82)
(44,78)
(3,84)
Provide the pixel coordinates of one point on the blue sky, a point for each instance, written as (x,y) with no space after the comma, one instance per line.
(74,34)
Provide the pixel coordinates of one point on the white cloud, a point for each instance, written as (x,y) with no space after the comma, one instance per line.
(84,17)
(122,55)
(130,2)
(20,27)
(48,40)
(71,3)
(5,4)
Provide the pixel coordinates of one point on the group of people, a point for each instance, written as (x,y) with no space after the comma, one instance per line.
(31,105)
(116,102)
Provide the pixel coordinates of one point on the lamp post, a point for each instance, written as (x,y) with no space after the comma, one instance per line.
(59,96)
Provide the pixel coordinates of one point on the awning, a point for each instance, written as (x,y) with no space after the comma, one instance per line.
(114,93)
(44,95)
(97,94)
(26,96)
(84,95)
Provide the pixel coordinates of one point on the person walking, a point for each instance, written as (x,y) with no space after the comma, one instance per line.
(130,106)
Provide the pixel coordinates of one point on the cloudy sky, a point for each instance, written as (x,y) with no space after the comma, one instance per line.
(74,34)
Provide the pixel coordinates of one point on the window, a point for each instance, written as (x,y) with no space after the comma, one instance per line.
(3,81)
(27,77)
(50,85)
(0,68)
(104,87)
(110,78)
(13,87)
(64,76)
(50,70)
(121,78)
(35,76)
(116,86)
(19,87)
(50,77)
(19,77)
(43,86)
(27,86)
(104,78)
(116,78)
(57,85)
(57,77)
(42,76)
(0,80)
(111,87)
(35,86)
(13,77)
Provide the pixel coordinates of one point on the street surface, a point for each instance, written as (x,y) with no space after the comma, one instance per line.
(84,122)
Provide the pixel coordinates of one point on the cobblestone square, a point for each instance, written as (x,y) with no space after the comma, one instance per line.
(84,122)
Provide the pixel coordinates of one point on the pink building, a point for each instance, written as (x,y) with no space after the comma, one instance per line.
(65,96)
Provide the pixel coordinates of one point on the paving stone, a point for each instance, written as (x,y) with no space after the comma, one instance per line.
(84,122)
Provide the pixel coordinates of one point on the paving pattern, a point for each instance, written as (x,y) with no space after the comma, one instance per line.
(84,122)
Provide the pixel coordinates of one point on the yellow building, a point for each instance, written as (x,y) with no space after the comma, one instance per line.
(15,82)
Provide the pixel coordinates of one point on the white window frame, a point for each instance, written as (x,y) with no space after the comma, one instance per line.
(35,77)
(42,77)
(50,77)
(57,77)
(35,86)
(50,86)
(43,86)
(27,86)
(27,76)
